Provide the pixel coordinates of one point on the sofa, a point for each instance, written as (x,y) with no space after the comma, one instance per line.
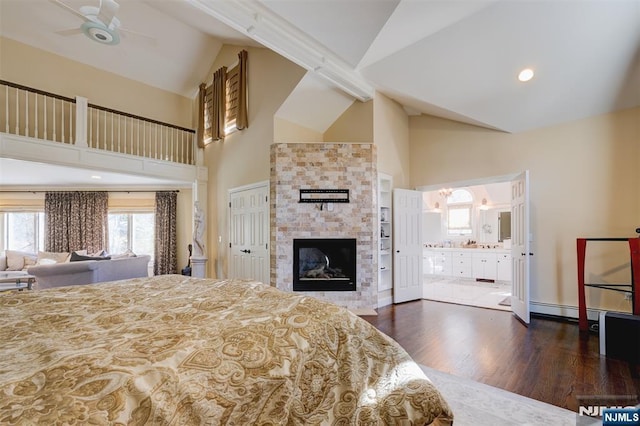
(89,271)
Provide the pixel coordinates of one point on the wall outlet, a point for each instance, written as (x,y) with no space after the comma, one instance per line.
(627,296)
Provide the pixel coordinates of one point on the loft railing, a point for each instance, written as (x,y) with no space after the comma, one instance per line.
(30,112)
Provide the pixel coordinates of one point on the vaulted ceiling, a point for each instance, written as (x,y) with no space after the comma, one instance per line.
(454,59)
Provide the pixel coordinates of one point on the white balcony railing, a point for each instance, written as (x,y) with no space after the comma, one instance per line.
(25,111)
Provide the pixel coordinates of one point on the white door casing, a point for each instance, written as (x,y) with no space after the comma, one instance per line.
(520,246)
(249,232)
(407,245)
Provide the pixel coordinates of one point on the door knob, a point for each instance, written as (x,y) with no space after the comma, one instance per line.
(246,251)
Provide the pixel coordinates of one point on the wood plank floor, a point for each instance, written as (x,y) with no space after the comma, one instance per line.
(550,360)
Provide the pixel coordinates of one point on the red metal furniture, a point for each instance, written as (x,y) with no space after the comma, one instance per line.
(633,287)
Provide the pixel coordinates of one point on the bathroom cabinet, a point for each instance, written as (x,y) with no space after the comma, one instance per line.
(478,263)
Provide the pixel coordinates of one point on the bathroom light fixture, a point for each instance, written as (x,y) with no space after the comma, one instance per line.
(445,192)
(525,75)
(484,205)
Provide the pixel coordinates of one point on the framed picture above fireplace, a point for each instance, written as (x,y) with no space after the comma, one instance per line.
(324,264)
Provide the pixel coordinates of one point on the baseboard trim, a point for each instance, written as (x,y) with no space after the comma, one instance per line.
(548,309)
(385,301)
(563,311)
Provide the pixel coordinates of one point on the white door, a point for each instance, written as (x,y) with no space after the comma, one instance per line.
(407,245)
(520,246)
(249,233)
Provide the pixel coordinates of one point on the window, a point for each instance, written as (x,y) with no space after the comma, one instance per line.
(224,102)
(232,92)
(231,104)
(23,231)
(133,231)
(459,208)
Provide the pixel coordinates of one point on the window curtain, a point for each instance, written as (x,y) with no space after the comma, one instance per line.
(201,107)
(218,103)
(242,120)
(166,257)
(76,221)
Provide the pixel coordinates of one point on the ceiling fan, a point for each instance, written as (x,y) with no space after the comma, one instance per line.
(100,23)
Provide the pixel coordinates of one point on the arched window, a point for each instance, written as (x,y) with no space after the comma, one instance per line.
(459,208)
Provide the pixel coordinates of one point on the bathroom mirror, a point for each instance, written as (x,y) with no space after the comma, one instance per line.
(504,228)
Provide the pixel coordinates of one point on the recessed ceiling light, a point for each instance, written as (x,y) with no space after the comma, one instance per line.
(96,177)
(525,75)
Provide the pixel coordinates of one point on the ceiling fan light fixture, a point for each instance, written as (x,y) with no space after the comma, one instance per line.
(525,75)
(96,31)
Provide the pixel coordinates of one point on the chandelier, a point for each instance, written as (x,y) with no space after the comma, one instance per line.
(445,192)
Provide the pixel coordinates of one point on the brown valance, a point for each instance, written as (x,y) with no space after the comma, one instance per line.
(218,104)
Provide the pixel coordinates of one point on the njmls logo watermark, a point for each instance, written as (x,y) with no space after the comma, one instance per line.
(608,410)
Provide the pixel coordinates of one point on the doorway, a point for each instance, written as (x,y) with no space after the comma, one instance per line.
(249,232)
(470,263)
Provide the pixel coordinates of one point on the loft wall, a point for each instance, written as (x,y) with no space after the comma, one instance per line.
(243,157)
(32,67)
(28,66)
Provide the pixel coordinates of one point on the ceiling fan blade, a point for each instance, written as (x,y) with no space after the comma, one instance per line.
(107,11)
(69,32)
(69,9)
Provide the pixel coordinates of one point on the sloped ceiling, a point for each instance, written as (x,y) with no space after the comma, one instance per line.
(456,59)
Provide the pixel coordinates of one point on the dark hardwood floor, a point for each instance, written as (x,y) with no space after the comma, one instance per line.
(550,360)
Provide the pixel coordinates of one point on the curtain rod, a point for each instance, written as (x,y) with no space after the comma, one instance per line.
(38,191)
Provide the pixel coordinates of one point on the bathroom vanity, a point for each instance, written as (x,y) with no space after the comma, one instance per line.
(474,263)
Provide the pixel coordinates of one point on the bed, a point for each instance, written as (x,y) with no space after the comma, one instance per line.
(180,350)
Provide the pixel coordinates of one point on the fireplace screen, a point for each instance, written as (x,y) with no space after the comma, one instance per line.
(324,264)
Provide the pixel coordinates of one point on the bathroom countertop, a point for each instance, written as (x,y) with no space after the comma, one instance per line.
(470,249)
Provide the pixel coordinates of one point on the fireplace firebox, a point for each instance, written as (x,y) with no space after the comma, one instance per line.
(324,264)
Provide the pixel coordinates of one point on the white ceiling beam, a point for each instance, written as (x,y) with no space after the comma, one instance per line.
(259,23)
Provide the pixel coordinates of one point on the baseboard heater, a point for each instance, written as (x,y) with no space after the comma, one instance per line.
(620,336)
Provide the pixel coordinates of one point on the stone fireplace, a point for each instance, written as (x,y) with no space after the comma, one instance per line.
(325,166)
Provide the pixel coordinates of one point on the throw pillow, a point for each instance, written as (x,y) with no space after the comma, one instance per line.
(29,261)
(15,259)
(77,257)
(100,253)
(127,253)
(81,252)
(48,258)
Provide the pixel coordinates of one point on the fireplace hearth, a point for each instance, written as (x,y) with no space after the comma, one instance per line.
(324,264)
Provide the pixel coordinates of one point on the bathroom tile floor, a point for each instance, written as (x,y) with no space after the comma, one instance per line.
(466,292)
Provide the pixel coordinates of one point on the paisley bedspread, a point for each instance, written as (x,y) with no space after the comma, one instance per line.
(177,350)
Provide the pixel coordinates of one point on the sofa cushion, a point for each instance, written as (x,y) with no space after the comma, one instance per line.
(89,272)
(78,257)
(29,261)
(15,259)
(49,257)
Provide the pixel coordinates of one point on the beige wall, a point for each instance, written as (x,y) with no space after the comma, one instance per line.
(243,157)
(285,131)
(584,183)
(28,66)
(391,136)
(354,125)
